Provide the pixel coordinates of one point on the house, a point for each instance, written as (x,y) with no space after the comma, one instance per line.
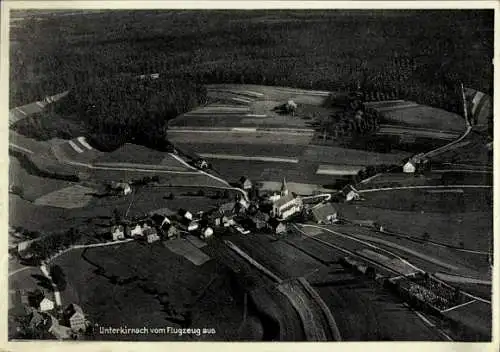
(207,232)
(193,225)
(136,231)
(291,106)
(74,316)
(185,214)
(324,213)
(409,167)
(415,163)
(24,245)
(172,232)
(350,193)
(241,205)
(160,220)
(287,204)
(245,183)
(122,187)
(117,232)
(151,234)
(46,305)
(278,227)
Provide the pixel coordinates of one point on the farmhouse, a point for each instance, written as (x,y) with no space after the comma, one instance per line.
(117,232)
(415,163)
(245,183)
(277,226)
(75,318)
(324,213)
(151,235)
(46,305)
(207,232)
(160,220)
(23,245)
(286,205)
(172,232)
(136,231)
(185,214)
(193,225)
(122,187)
(350,193)
(409,167)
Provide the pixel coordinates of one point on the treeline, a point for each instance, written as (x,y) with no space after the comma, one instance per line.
(354,120)
(117,110)
(47,245)
(418,56)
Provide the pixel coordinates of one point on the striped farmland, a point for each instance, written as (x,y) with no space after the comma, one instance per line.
(480,106)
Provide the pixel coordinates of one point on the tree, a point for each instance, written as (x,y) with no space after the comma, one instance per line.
(58,277)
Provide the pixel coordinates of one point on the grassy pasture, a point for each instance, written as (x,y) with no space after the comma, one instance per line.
(68,198)
(473,229)
(425,117)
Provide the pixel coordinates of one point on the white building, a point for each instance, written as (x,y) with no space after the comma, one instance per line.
(409,167)
(117,233)
(207,232)
(286,205)
(46,305)
(136,231)
(193,226)
(151,235)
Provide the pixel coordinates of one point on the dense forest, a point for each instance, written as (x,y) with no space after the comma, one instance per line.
(117,110)
(418,55)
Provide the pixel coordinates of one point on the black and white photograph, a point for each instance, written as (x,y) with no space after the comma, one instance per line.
(248,175)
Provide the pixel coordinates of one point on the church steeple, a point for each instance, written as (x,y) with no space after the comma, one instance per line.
(284,188)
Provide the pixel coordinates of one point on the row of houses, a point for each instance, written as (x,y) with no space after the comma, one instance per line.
(158,226)
(265,214)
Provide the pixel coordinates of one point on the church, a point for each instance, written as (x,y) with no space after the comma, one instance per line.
(284,203)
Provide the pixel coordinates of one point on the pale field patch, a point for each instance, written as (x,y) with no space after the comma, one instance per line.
(69,198)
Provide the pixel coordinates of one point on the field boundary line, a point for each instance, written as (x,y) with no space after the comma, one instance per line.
(458,306)
(326,311)
(252,261)
(421,187)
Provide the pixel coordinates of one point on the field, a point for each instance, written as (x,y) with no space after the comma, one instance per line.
(32,186)
(473,229)
(459,200)
(423,116)
(166,289)
(39,218)
(70,197)
(131,153)
(368,313)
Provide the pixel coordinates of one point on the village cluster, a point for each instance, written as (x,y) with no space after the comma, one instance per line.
(267,213)
(41,316)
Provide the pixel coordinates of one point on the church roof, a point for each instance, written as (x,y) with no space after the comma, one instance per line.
(284,187)
(284,200)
